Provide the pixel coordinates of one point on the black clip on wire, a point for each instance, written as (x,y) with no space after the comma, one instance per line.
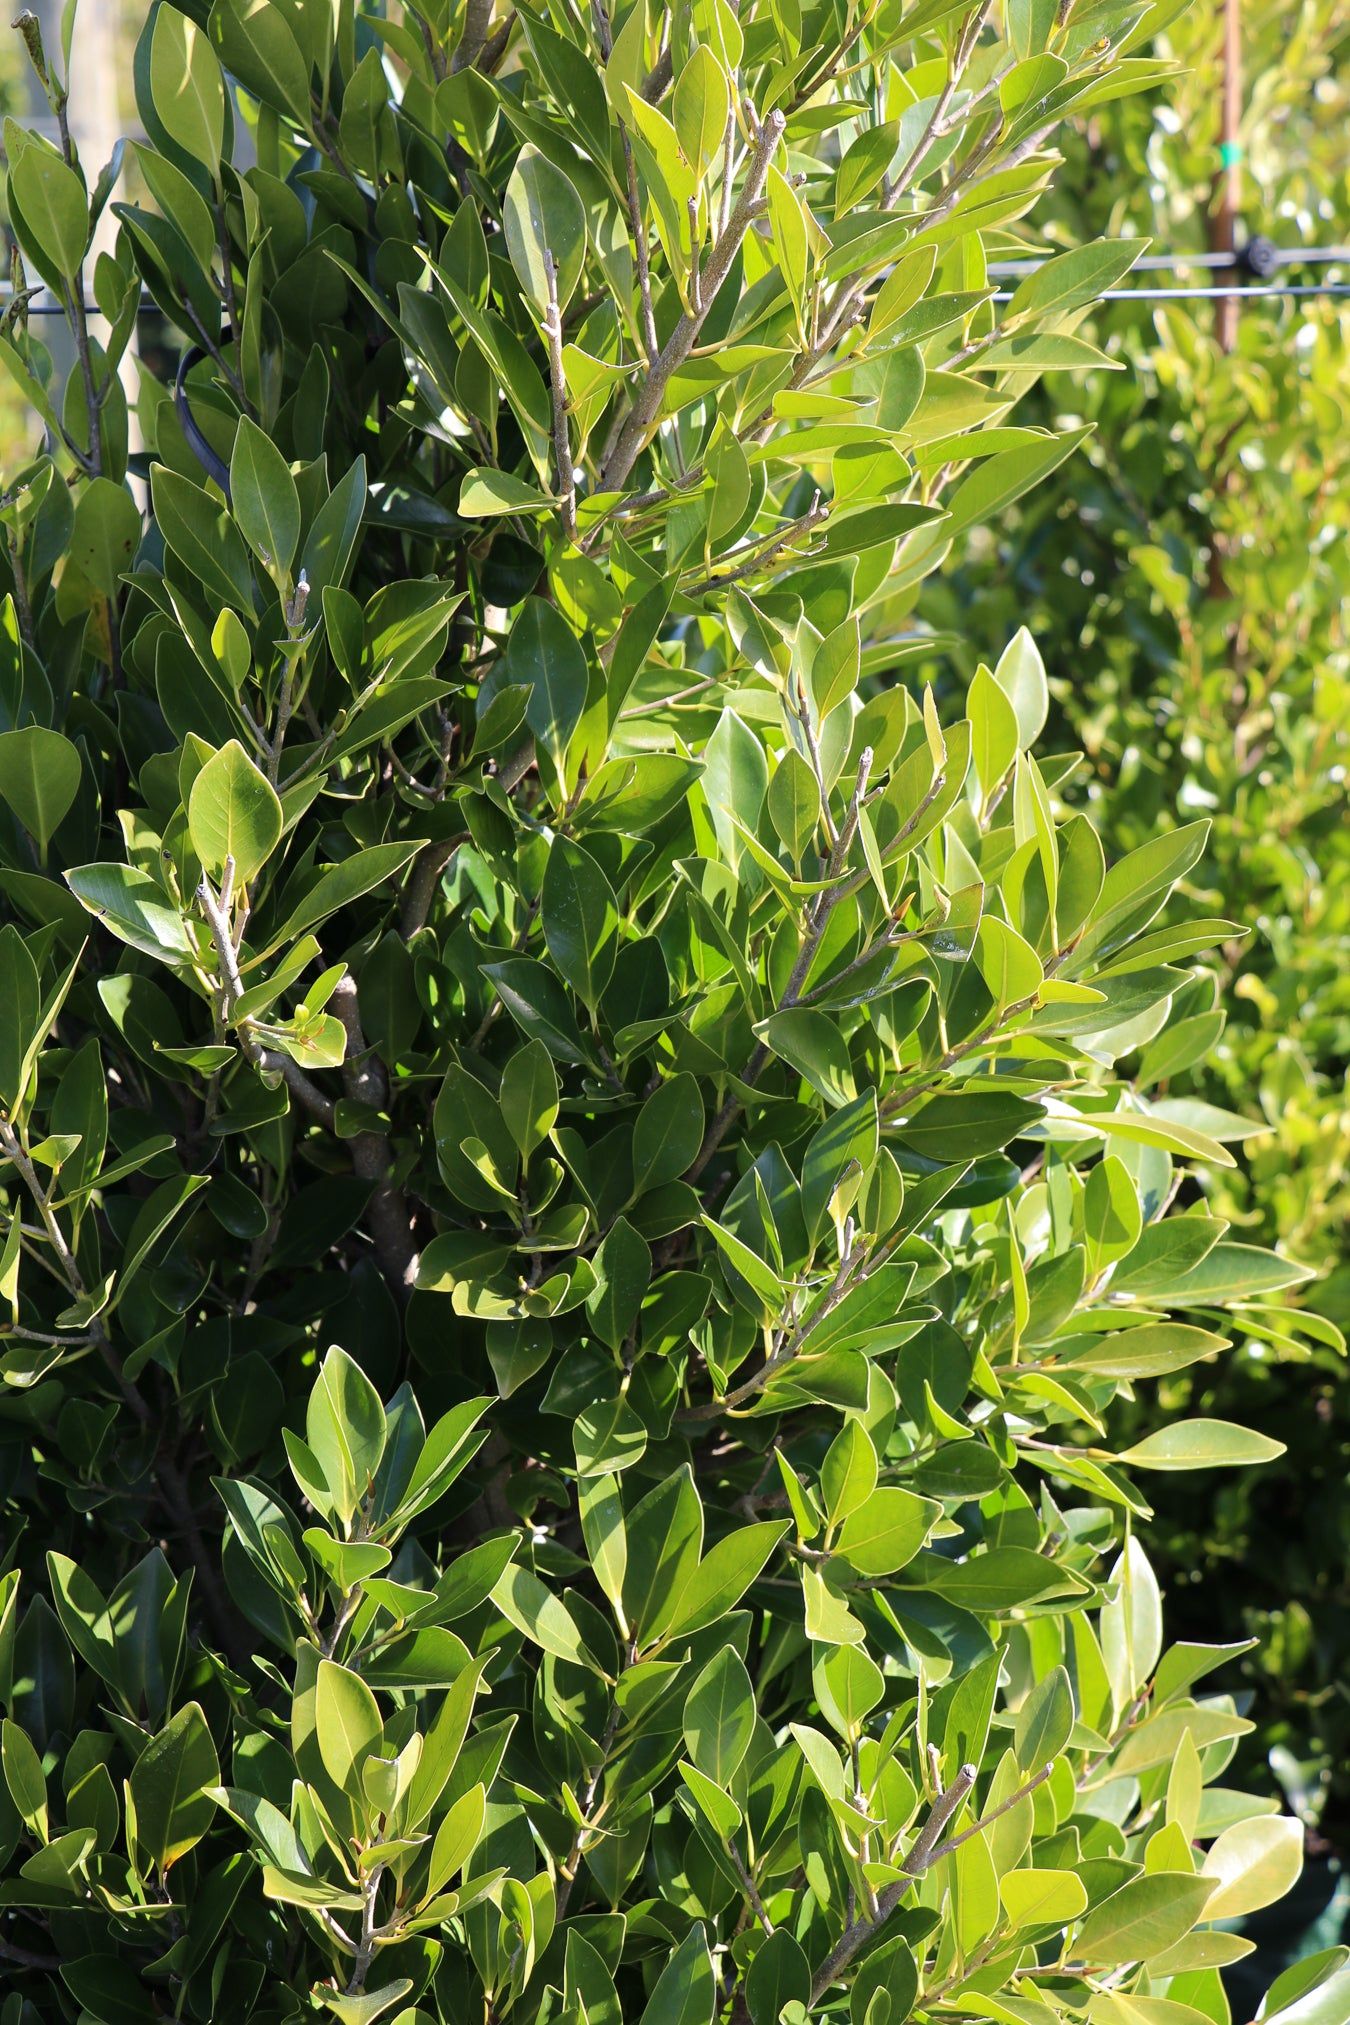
(1259,257)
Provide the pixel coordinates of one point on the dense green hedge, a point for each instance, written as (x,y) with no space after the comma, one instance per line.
(1225,690)
(577,1236)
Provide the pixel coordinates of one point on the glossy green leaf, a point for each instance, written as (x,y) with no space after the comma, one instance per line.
(1144,1916)
(720,1716)
(1044,1721)
(580,920)
(265,502)
(172,1786)
(49,198)
(39,779)
(533,1609)
(886,1531)
(685,1992)
(347,1724)
(1034,1898)
(1200,1445)
(234,815)
(187,86)
(722,1578)
(545,225)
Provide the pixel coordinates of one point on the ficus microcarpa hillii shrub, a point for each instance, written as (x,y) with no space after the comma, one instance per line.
(572,1228)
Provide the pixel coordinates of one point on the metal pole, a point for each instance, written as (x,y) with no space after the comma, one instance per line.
(57,337)
(1224,239)
(1224,233)
(96,122)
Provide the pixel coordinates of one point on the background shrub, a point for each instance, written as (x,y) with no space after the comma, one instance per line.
(1187,576)
(576,1232)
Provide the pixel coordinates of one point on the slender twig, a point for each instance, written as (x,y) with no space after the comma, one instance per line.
(893,190)
(748,1886)
(825,903)
(365,1081)
(13,1149)
(335,1930)
(904,1097)
(818,919)
(728,1114)
(365,1951)
(231,989)
(24,1958)
(1137,1708)
(46,1336)
(959,188)
(646,408)
(218,358)
(79,322)
(757,555)
(974,349)
(791,1347)
(567,1872)
(562,444)
(948,122)
(1024,1791)
(68,1268)
(347,1609)
(637,229)
(934,789)
(428,869)
(934,1992)
(921,1858)
(808,725)
(21,602)
(291,655)
(664,702)
(890,940)
(215,906)
(836,68)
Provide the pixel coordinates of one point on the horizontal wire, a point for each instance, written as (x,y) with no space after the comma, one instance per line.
(1009,270)
(1326,288)
(1279,256)
(147,308)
